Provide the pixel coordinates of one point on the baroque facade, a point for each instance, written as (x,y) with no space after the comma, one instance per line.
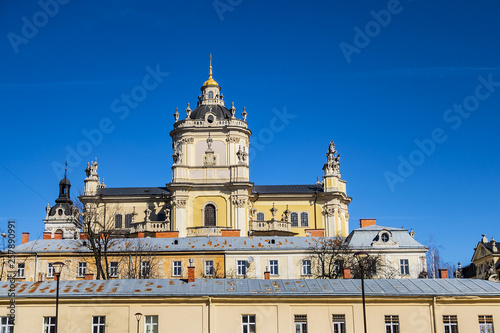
(211,191)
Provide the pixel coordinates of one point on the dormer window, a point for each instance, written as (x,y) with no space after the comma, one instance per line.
(210,95)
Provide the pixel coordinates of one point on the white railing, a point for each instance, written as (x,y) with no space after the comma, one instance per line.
(205,231)
(271,226)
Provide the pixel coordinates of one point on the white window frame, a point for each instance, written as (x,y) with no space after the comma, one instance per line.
(49,324)
(404,266)
(241,267)
(302,224)
(82,269)
(5,325)
(248,326)
(50,270)
(100,325)
(306,267)
(392,324)
(338,323)
(209,267)
(292,221)
(300,322)
(113,271)
(486,324)
(274,267)
(150,326)
(21,268)
(145,268)
(450,324)
(176,265)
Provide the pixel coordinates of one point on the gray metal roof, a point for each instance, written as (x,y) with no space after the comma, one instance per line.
(251,287)
(364,237)
(287,189)
(118,191)
(191,244)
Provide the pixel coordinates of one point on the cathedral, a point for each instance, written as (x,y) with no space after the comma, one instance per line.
(211,193)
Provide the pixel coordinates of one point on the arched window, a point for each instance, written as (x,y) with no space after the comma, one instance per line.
(304,219)
(118,221)
(209,215)
(210,95)
(128,221)
(295,219)
(260,216)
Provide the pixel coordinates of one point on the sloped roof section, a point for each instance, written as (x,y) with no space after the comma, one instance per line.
(251,287)
(122,191)
(364,237)
(287,189)
(182,244)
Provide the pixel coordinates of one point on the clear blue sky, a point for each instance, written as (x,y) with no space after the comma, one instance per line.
(374,76)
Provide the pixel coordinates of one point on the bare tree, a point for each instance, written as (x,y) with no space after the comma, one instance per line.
(97,221)
(329,257)
(434,261)
(138,260)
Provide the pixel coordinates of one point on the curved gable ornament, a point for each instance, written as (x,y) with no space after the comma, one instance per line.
(384,239)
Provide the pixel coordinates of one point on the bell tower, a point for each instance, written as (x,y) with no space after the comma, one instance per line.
(210,163)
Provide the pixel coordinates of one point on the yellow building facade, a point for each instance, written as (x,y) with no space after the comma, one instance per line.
(211,190)
(264,306)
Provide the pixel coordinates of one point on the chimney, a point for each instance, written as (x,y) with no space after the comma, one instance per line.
(47,235)
(58,235)
(230,233)
(26,237)
(140,235)
(167,234)
(315,232)
(267,274)
(367,222)
(347,273)
(443,273)
(83,235)
(191,274)
(89,276)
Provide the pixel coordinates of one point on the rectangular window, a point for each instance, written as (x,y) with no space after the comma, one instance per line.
(248,323)
(113,269)
(151,324)
(49,324)
(145,269)
(405,266)
(82,268)
(242,267)
(450,324)
(392,324)
(486,324)
(6,325)
(20,270)
(98,324)
(306,267)
(209,268)
(177,268)
(338,323)
(300,323)
(50,271)
(273,267)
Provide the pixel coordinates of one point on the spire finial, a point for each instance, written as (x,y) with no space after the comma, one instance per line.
(210,74)
(65,169)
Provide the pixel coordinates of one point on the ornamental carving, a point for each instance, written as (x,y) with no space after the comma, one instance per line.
(232,139)
(329,211)
(332,166)
(239,202)
(179,203)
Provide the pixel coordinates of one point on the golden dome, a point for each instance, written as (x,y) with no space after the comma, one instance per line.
(210,81)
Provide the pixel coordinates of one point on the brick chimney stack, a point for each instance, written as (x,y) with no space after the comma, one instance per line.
(367,222)
(347,273)
(191,277)
(26,237)
(443,273)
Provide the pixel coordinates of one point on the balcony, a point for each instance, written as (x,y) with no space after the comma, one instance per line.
(151,226)
(271,228)
(205,231)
